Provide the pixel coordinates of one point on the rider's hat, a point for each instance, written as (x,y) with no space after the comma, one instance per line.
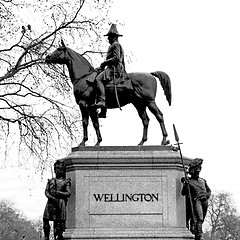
(113,31)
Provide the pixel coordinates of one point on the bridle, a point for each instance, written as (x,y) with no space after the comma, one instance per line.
(65,51)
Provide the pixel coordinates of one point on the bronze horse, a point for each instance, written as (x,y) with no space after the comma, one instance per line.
(141,95)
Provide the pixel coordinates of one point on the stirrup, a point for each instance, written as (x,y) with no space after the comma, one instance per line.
(103,113)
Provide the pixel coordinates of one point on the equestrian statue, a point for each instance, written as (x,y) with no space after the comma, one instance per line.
(109,87)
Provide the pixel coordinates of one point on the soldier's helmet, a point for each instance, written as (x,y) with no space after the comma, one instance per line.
(197,162)
(60,164)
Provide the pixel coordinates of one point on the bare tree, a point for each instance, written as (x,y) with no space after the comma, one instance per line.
(37,109)
(222,217)
(14,225)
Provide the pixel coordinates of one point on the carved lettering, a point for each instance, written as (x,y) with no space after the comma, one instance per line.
(98,197)
(124,197)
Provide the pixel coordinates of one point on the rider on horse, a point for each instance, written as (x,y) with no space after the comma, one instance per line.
(114,63)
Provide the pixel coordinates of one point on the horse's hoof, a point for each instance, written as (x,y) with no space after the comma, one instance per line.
(165,142)
(141,143)
(175,149)
(82,144)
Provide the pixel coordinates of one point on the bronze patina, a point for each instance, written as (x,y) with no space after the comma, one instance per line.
(57,191)
(138,89)
(113,66)
(199,194)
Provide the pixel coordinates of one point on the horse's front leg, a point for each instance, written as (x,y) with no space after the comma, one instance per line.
(145,122)
(95,121)
(85,122)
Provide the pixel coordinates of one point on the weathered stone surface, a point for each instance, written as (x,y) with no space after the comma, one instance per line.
(126,193)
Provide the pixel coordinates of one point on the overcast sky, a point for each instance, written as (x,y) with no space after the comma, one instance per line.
(197,43)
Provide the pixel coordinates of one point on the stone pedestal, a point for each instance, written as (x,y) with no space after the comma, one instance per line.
(126,193)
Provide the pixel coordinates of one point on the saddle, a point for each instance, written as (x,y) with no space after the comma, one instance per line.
(119,81)
(120,85)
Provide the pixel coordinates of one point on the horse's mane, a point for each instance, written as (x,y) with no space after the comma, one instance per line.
(80,65)
(81,58)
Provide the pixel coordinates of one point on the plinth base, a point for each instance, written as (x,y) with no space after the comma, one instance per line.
(129,234)
(126,193)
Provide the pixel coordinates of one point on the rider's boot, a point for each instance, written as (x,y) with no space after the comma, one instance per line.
(101,99)
(103,113)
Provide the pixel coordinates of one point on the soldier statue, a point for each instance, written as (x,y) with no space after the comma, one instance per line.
(57,191)
(198,197)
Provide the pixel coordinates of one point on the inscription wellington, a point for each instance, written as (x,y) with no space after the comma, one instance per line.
(124,197)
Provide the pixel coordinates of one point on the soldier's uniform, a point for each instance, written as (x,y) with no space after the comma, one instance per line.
(57,191)
(200,193)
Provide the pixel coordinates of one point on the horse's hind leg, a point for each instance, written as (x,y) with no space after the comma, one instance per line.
(145,121)
(159,116)
(94,117)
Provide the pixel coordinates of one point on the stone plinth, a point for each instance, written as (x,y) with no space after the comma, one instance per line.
(126,193)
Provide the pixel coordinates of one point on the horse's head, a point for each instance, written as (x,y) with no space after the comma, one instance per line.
(78,66)
(59,56)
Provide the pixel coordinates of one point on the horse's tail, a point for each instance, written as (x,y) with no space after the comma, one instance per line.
(166,84)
